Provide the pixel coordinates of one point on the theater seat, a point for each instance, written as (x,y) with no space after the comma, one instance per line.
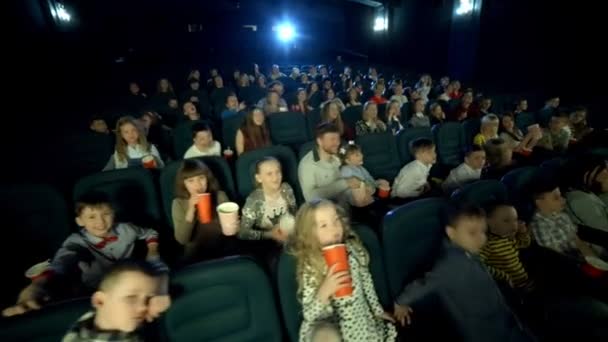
(230,126)
(518,183)
(305,148)
(351,115)
(35,221)
(381,157)
(411,238)
(523,120)
(245,169)
(287,284)
(470,127)
(132,192)
(49,324)
(217,165)
(287,128)
(313,119)
(480,193)
(449,137)
(406,136)
(223,300)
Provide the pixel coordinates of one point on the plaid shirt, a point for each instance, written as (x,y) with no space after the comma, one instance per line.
(555,231)
(84,330)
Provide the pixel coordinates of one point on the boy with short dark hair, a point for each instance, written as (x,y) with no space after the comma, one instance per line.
(467,172)
(551,225)
(129,295)
(556,137)
(507,235)
(203,143)
(412,179)
(462,284)
(92,251)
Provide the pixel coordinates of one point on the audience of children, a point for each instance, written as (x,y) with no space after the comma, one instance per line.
(419,119)
(393,116)
(488,129)
(370,123)
(467,172)
(253,133)
(359,317)
(131,147)
(194,179)
(88,253)
(463,286)
(129,296)
(264,208)
(203,143)
(412,180)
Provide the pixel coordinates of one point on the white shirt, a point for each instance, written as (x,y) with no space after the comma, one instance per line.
(214,150)
(459,176)
(411,179)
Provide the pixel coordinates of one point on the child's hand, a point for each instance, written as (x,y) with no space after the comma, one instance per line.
(522,228)
(403,314)
(383,183)
(387,316)
(278,235)
(333,282)
(194,200)
(156,306)
(353,182)
(29,299)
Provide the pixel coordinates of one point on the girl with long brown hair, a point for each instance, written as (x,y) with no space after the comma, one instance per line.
(193,179)
(253,133)
(330,113)
(131,146)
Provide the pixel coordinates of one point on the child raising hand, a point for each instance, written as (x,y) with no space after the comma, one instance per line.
(354,317)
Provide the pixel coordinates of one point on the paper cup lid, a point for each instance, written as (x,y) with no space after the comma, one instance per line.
(333,246)
(228,206)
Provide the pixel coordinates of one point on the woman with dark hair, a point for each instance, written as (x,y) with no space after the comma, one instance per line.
(314,94)
(194,179)
(330,113)
(253,133)
(584,203)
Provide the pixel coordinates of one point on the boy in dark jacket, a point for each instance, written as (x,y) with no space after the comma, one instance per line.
(464,286)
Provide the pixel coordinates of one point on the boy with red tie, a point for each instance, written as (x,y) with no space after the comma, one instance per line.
(91,251)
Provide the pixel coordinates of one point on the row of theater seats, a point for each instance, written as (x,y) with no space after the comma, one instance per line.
(233,299)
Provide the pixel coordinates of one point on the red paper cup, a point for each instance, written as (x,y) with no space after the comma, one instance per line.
(591,271)
(228,213)
(149,162)
(228,154)
(38,270)
(384,192)
(205,213)
(336,254)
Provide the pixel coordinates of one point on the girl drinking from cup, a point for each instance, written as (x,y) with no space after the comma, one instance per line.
(132,148)
(268,205)
(331,310)
(194,180)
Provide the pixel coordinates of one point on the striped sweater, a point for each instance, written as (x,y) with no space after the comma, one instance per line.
(501,256)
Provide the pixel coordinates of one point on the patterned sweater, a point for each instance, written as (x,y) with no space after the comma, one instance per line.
(254,211)
(356,316)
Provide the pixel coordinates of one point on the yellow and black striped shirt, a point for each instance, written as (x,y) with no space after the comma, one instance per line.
(501,256)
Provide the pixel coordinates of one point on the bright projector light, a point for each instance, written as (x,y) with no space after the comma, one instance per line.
(465,7)
(380,24)
(63,14)
(285,32)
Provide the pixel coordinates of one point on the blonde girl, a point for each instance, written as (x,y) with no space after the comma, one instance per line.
(131,146)
(358,317)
